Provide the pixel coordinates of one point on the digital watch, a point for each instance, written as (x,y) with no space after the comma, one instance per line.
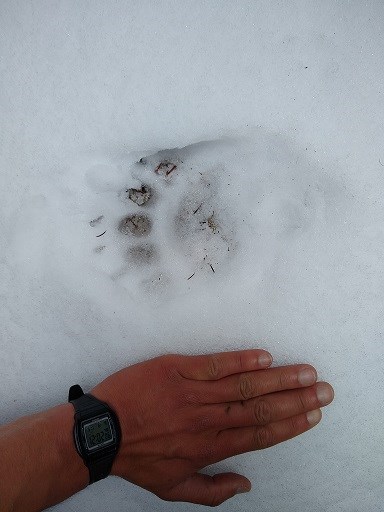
(96,433)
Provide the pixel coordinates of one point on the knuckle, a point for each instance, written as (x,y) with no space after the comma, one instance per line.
(245,387)
(169,367)
(165,495)
(262,438)
(293,425)
(283,380)
(240,361)
(201,424)
(262,412)
(188,398)
(214,367)
(303,402)
(215,500)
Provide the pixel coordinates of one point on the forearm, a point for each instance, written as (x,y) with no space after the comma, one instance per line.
(40,466)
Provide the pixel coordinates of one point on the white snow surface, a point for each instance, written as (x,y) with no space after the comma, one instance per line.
(273,114)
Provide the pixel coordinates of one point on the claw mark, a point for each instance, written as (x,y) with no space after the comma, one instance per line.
(170,170)
(97,236)
(96,221)
(212,224)
(165,168)
(198,208)
(213,270)
(190,277)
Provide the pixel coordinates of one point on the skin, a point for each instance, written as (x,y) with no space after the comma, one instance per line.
(178,414)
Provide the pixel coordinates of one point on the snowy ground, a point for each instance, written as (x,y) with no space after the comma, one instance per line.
(259,126)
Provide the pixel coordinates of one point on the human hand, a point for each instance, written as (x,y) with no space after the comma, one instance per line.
(179,414)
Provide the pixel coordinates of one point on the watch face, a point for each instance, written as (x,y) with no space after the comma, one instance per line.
(97,433)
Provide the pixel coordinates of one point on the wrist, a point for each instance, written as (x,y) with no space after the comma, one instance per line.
(40,465)
(74,471)
(67,472)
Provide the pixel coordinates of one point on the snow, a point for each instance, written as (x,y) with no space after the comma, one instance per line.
(273,116)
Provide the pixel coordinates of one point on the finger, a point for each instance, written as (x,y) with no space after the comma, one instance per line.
(270,408)
(249,385)
(217,366)
(209,490)
(241,440)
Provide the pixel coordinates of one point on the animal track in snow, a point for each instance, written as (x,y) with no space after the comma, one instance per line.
(169,223)
(219,215)
(176,210)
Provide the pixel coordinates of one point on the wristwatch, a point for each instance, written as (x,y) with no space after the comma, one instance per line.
(96,433)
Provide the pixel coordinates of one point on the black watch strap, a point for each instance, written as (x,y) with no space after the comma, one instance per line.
(88,407)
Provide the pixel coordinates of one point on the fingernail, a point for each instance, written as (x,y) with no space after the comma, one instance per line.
(324,393)
(314,417)
(306,377)
(265,360)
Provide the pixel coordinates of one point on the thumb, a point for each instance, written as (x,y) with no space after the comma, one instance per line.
(209,490)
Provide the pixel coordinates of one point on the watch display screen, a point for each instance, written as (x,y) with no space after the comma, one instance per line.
(98,433)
